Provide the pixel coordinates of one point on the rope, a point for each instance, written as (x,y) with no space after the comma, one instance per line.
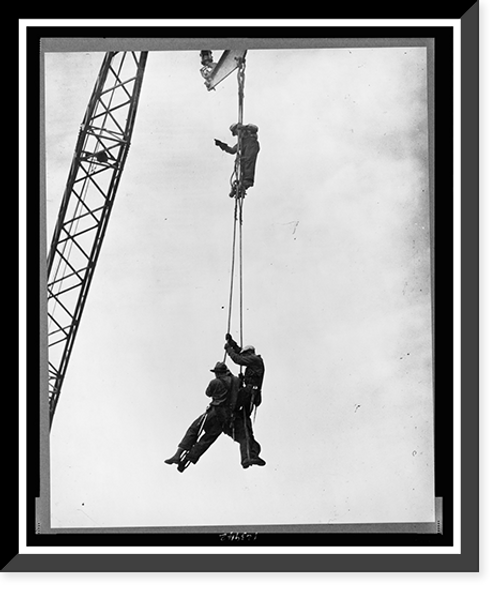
(198,435)
(238,211)
(241,270)
(231,283)
(236,228)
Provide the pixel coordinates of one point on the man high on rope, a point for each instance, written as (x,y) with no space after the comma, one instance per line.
(249,150)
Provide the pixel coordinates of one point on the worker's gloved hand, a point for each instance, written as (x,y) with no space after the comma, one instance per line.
(221,145)
(230,343)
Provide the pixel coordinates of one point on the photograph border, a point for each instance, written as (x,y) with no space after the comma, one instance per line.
(217,557)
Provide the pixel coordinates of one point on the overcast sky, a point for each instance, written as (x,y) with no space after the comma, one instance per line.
(336,294)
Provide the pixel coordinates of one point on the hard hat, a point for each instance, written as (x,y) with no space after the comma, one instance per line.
(220,367)
(233,127)
(248,348)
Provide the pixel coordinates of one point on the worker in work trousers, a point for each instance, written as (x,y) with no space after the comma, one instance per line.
(249,150)
(250,394)
(219,417)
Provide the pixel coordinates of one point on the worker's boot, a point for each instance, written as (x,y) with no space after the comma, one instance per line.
(175,458)
(257,461)
(186,460)
(181,466)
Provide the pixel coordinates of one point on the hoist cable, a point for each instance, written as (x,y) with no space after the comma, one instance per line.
(235,181)
(241,269)
(231,282)
(236,228)
(241,83)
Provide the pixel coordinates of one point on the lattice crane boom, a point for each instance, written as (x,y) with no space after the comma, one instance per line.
(98,161)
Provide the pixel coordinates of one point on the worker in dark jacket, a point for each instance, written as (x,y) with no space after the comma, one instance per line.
(250,394)
(207,428)
(253,377)
(249,150)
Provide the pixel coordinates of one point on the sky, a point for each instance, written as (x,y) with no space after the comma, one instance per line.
(337,294)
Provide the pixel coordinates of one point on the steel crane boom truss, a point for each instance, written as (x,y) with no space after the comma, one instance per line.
(97,165)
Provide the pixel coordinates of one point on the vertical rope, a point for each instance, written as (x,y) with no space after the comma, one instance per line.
(241,84)
(231,281)
(241,271)
(238,210)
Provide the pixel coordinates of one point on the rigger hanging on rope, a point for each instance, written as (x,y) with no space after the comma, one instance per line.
(248,143)
(247,148)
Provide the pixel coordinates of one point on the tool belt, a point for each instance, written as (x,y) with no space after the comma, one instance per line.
(248,395)
(256,395)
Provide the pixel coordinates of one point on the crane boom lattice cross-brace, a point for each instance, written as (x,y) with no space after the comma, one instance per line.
(98,161)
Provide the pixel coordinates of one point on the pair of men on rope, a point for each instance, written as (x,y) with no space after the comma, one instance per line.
(249,149)
(233,400)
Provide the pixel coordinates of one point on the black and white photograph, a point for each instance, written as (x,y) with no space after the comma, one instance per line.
(239,247)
